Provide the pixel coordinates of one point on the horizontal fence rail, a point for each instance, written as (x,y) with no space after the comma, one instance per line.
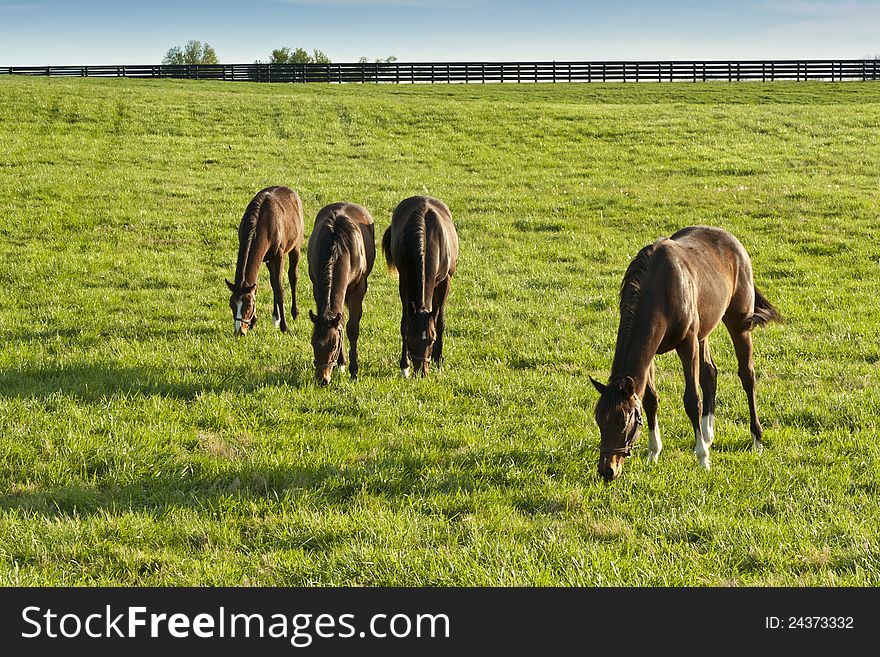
(479,72)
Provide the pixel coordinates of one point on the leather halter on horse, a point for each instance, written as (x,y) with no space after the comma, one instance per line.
(626,448)
(247,322)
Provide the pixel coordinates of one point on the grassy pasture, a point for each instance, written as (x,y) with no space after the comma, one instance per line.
(143,445)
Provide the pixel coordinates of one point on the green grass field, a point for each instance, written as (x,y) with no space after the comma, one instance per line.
(142,444)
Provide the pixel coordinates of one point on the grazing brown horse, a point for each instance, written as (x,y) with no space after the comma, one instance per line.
(674,293)
(342,248)
(271,228)
(422,245)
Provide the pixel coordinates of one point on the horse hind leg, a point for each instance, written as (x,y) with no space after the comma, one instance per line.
(708,384)
(274,266)
(404,324)
(689,352)
(742,345)
(292,276)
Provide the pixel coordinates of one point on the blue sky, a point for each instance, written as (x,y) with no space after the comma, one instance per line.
(38,32)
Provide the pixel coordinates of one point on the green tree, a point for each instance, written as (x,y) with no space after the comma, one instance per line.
(299,56)
(388,60)
(320,58)
(288,56)
(194,52)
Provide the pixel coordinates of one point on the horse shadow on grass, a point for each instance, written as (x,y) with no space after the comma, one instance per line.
(445,482)
(90,383)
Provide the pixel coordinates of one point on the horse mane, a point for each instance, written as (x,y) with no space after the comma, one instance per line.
(340,232)
(412,247)
(630,297)
(248,223)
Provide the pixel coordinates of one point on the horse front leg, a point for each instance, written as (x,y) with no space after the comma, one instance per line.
(441,293)
(353,328)
(651,402)
(689,353)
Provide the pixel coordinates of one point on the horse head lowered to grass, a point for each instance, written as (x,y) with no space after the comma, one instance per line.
(422,245)
(674,293)
(342,248)
(271,228)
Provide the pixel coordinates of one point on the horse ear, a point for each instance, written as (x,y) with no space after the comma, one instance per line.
(435,312)
(231,286)
(598,386)
(247,289)
(628,385)
(338,320)
(312,317)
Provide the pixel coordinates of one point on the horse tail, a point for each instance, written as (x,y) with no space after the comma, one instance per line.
(386,249)
(764,312)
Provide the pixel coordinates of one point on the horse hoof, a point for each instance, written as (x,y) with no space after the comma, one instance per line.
(704,462)
(758,446)
(653,456)
(404,373)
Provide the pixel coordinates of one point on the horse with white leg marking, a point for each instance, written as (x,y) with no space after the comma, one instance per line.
(673,295)
(422,245)
(271,228)
(342,248)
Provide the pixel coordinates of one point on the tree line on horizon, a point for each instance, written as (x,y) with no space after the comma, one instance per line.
(196,52)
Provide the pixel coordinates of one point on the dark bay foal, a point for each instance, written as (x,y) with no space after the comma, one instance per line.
(271,228)
(422,245)
(674,293)
(342,248)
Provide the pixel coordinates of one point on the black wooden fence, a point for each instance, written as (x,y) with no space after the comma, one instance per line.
(469,72)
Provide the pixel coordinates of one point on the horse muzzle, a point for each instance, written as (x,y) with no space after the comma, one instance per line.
(610,467)
(242,326)
(323,375)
